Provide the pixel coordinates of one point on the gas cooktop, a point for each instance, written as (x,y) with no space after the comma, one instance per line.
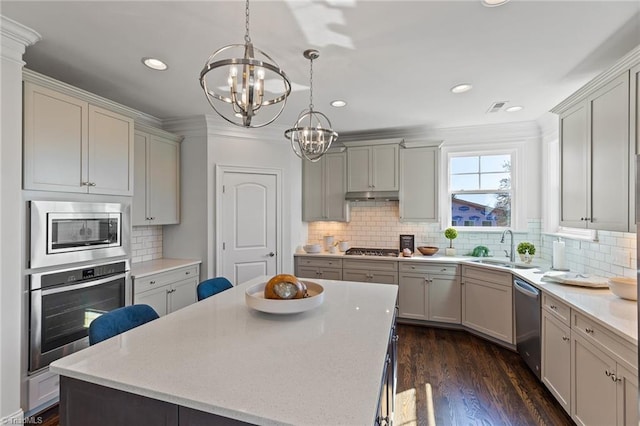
(359,251)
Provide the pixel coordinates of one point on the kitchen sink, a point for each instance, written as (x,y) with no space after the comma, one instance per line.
(504,263)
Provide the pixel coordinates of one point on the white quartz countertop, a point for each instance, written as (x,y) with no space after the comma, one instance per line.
(143,269)
(618,315)
(320,367)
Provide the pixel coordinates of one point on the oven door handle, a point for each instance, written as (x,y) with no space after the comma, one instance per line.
(62,289)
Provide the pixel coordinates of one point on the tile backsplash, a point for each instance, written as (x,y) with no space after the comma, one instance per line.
(376,224)
(146,243)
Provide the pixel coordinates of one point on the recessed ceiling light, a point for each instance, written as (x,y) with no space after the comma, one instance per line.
(461,88)
(493,3)
(514,108)
(338,103)
(155,64)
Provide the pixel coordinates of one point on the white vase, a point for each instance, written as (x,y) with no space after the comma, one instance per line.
(449,251)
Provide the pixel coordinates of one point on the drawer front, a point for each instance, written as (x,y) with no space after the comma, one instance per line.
(429,268)
(605,339)
(43,388)
(495,277)
(371,265)
(317,262)
(557,308)
(158,280)
(319,273)
(379,277)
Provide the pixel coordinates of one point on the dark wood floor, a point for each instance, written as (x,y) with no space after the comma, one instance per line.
(473,381)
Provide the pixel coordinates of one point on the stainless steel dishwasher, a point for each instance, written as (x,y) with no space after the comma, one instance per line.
(527,305)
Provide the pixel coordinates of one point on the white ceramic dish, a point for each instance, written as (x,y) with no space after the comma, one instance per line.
(313,248)
(254,297)
(624,287)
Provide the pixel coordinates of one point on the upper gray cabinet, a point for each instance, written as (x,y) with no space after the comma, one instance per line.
(419,184)
(324,185)
(372,167)
(156,198)
(598,138)
(71,145)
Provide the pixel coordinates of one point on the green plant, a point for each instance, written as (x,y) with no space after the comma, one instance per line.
(525,246)
(451,234)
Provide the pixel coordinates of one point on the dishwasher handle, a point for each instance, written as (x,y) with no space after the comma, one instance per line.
(526,288)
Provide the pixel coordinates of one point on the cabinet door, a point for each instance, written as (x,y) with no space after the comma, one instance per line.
(627,395)
(355,275)
(330,274)
(634,133)
(488,308)
(182,294)
(335,187)
(312,190)
(412,296)
(163,181)
(593,395)
(156,298)
(110,166)
(385,164)
(139,203)
(444,299)
(383,277)
(307,272)
(556,359)
(419,184)
(55,140)
(574,148)
(359,169)
(609,109)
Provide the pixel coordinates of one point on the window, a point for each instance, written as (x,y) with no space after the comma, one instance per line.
(480,190)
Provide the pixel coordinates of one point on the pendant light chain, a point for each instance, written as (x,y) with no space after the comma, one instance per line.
(311,85)
(247,38)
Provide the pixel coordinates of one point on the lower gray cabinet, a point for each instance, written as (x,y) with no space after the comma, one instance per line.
(372,271)
(327,268)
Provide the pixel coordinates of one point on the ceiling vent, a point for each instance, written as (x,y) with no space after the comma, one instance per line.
(497,106)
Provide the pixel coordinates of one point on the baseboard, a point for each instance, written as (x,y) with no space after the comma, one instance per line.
(16,418)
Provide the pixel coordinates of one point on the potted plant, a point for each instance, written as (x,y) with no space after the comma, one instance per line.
(451,234)
(526,250)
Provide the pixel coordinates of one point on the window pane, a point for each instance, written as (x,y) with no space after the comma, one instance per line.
(465,182)
(465,165)
(495,181)
(495,163)
(486,209)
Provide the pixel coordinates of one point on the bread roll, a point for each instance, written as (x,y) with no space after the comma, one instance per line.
(285,286)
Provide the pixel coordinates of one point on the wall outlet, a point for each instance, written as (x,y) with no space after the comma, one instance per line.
(621,257)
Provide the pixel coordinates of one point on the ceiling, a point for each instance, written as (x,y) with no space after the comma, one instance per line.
(392,61)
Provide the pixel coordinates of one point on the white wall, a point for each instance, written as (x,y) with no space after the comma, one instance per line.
(14,39)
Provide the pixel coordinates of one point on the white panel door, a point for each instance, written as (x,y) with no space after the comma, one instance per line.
(248,226)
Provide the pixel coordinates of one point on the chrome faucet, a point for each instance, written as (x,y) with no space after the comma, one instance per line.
(512,254)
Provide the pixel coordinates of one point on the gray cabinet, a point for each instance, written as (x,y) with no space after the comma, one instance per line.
(487,302)
(169,291)
(373,168)
(324,184)
(71,145)
(373,271)
(419,184)
(310,267)
(156,198)
(595,159)
(429,291)
(556,358)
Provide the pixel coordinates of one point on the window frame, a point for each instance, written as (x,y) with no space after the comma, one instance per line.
(516,151)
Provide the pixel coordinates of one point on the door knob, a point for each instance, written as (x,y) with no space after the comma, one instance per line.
(272,254)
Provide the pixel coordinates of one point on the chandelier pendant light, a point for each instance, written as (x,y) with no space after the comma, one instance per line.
(235,86)
(312,134)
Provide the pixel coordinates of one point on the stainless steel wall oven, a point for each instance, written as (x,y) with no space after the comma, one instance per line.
(63,304)
(68,232)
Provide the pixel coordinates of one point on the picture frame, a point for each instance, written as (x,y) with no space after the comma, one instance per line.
(407,241)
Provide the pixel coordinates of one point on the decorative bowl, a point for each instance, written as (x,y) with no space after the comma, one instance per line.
(428,250)
(254,297)
(624,287)
(313,248)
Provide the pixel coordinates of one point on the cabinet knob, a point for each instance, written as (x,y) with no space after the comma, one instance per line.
(554,307)
(588,330)
(152,282)
(92,184)
(565,338)
(616,378)
(187,272)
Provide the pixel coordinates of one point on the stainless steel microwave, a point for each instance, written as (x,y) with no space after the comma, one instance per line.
(68,232)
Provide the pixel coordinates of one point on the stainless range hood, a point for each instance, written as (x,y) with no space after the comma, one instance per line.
(372,196)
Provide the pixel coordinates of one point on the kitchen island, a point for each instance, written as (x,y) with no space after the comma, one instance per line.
(221,361)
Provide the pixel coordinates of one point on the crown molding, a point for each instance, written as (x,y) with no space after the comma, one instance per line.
(15,38)
(59,86)
(157,132)
(421,143)
(369,142)
(625,63)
